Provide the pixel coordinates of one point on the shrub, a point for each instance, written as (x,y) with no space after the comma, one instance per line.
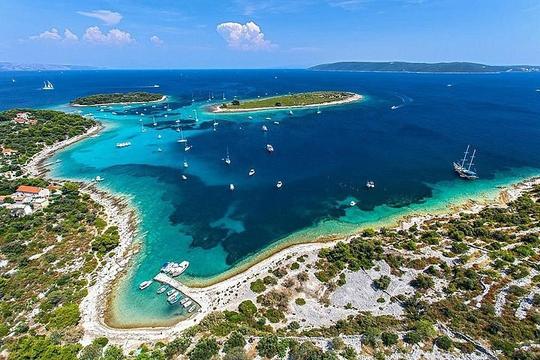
(64,316)
(389,338)
(274,315)
(177,346)
(257,286)
(444,342)
(270,346)
(300,301)
(422,282)
(349,353)
(235,340)
(247,308)
(205,349)
(381,283)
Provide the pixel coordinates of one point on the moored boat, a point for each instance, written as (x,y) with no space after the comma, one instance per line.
(279,184)
(269,148)
(123,144)
(162,289)
(464,171)
(174,269)
(251,172)
(47,85)
(145,284)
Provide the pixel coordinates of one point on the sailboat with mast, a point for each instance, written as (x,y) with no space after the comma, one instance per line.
(227,159)
(463,169)
(182,139)
(47,85)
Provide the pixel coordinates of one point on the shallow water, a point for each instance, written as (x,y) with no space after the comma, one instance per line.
(323,159)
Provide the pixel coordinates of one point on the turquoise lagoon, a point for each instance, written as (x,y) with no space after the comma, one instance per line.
(323,159)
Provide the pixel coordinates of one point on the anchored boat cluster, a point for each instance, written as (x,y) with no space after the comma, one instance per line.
(173,288)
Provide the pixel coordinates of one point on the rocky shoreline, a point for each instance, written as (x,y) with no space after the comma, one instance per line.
(224,294)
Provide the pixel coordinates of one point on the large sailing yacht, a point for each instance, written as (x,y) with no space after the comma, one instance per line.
(464,170)
(47,85)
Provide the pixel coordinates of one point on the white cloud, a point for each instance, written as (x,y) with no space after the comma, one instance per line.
(70,36)
(52,34)
(55,35)
(244,36)
(156,40)
(108,17)
(113,37)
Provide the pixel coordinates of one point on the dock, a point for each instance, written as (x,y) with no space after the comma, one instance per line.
(175,284)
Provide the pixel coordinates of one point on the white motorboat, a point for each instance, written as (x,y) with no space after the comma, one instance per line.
(174,269)
(123,144)
(264,128)
(145,284)
(251,172)
(279,184)
(231,187)
(162,289)
(269,148)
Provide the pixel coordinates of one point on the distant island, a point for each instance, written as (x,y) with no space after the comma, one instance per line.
(446,67)
(117,98)
(9,66)
(307,99)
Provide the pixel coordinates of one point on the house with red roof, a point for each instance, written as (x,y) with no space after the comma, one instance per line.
(32,191)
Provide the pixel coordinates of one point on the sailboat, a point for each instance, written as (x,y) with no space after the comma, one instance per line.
(464,171)
(47,85)
(186,165)
(182,140)
(196,116)
(318,110)
(228,159)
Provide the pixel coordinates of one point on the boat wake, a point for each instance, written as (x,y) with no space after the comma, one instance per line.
(405,100)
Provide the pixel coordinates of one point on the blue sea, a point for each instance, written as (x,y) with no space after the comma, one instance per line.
(323,160)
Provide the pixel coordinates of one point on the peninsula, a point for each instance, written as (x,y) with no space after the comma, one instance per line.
(117,98)
(290,101)
(443,67)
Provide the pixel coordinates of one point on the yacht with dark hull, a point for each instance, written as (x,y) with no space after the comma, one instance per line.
(463,169)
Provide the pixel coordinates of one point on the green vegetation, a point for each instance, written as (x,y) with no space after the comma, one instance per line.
(300,99)
(116,98)
(257,286)
(48,254)
(382,282)
(399,66)
(46,128)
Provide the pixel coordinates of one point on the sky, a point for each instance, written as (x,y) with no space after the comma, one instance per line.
(267,33)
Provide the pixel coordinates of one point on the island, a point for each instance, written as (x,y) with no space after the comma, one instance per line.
(117,98)
(289,101)
(443,67)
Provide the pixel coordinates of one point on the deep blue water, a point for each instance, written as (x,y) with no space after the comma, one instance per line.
(323,159)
